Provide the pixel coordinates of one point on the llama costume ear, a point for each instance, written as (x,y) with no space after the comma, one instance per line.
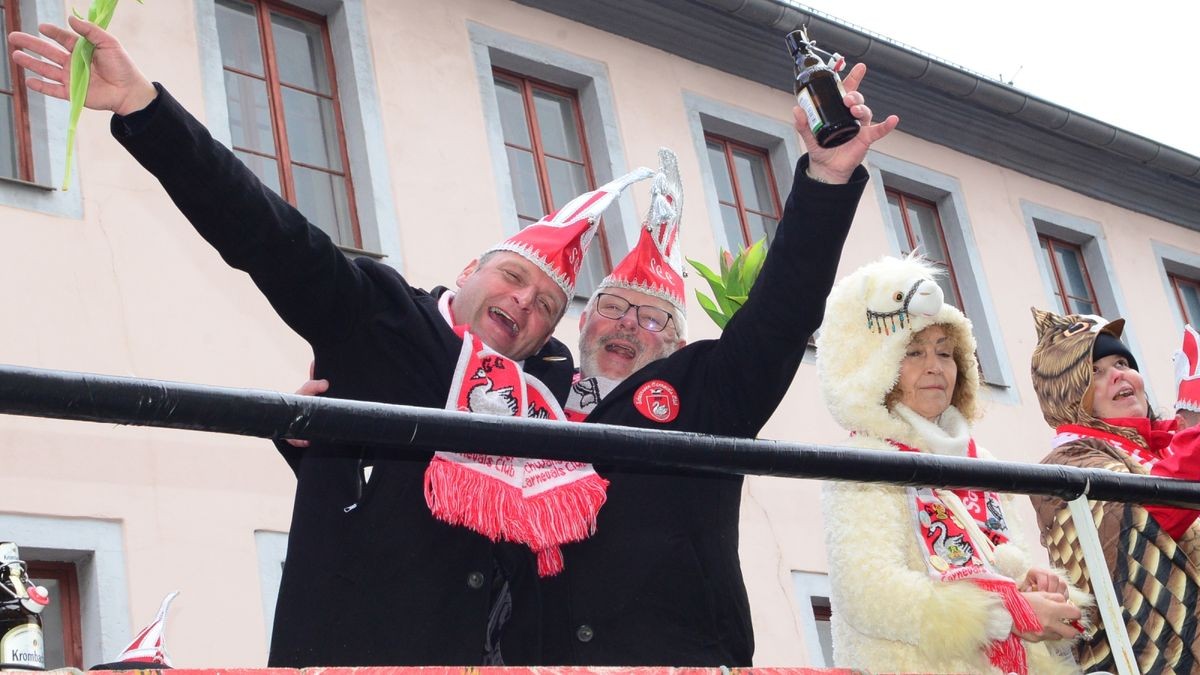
(1187,381)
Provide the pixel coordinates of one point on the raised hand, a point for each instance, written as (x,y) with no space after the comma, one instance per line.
(834,165)
(117,84)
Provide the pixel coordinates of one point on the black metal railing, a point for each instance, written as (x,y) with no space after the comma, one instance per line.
(268,414)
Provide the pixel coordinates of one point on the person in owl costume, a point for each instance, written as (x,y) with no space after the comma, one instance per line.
(1092,394)
(924,579)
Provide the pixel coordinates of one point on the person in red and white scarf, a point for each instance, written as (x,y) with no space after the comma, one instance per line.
(391,560)
(1093,396)
(897,369)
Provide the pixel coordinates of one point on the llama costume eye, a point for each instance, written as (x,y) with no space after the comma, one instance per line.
(898,296)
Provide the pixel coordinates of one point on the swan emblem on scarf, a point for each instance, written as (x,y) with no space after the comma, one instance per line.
(485,398)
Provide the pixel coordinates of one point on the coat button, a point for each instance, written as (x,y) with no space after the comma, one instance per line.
(475,580)
(584,633)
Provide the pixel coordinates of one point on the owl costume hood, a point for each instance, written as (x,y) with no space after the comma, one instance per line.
(948,557)
(1062,367)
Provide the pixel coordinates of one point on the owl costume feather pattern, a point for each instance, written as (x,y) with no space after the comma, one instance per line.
(1155,575)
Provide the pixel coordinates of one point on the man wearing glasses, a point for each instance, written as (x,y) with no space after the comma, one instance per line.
(660,581)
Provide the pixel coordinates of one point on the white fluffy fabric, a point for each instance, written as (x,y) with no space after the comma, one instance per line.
(889,614)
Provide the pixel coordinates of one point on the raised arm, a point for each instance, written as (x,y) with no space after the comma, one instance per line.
(308,281)
(762,345)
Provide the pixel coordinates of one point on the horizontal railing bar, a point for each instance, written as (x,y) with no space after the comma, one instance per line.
(268,414)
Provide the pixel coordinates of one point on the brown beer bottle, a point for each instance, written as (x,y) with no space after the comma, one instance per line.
(819,93)
(21,642)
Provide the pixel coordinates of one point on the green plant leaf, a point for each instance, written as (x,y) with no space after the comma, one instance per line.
(752,262)
(711,309)
(100,13)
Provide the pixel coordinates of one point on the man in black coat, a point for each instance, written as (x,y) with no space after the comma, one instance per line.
(372,577)
(660,582)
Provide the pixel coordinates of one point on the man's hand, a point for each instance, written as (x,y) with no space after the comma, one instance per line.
(1042,579)
(835,165)
(116,85)
(310,388)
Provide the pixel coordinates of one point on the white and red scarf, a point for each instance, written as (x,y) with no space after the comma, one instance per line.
(586,393)
(1158,435)
(541,503)
(957,531)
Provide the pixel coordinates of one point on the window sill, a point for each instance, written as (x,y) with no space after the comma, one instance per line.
(361,253)
(27,184)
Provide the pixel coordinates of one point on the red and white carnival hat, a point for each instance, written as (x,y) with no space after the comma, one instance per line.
(655,265)
(558,242)
(146,650)
(1187,381)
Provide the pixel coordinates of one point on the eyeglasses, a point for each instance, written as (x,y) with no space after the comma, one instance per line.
(615,307)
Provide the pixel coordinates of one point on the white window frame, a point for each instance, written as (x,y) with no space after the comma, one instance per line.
(48,139)
(1089,236)
(806,586)
(589,79)
(1180,262)
(272,551)
(946,192)
(96,547)
(362,114)
(778,139)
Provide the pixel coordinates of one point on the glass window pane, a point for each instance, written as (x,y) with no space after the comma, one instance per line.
(720,171)
(300,53)
(1079,306)
(5,70)
(567,181)
(52,626)
(512,114)
(249,113)
(923,221)
(897,217)
(311,129)
(8,138)
(758,226)
(266,169)
(556,122)
(321,197)
(1191,303)
(590,272)
(1071,266)
(733,227)
(523,174)
(752,179)
(237,30)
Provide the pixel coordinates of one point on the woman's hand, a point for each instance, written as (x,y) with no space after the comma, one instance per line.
(1059,618)
(1042,579)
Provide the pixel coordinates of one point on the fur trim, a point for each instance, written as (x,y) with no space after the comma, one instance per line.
(870,318)
(959,621)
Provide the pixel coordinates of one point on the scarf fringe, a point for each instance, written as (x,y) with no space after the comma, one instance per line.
(1009,654)
(461,496)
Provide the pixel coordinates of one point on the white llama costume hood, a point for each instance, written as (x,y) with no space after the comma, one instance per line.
(876,565)
(870,318)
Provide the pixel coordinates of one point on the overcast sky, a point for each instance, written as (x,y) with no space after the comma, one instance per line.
(1131,64)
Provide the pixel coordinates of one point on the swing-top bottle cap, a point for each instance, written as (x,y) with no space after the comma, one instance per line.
(797,40)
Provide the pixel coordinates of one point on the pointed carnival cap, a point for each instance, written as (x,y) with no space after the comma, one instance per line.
(655,265)
(146,650)
(1187,381)
(558,242)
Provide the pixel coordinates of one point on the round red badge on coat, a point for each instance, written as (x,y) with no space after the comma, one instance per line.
(657,400)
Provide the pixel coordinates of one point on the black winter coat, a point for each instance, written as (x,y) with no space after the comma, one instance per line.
(371,577)
(660,583)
